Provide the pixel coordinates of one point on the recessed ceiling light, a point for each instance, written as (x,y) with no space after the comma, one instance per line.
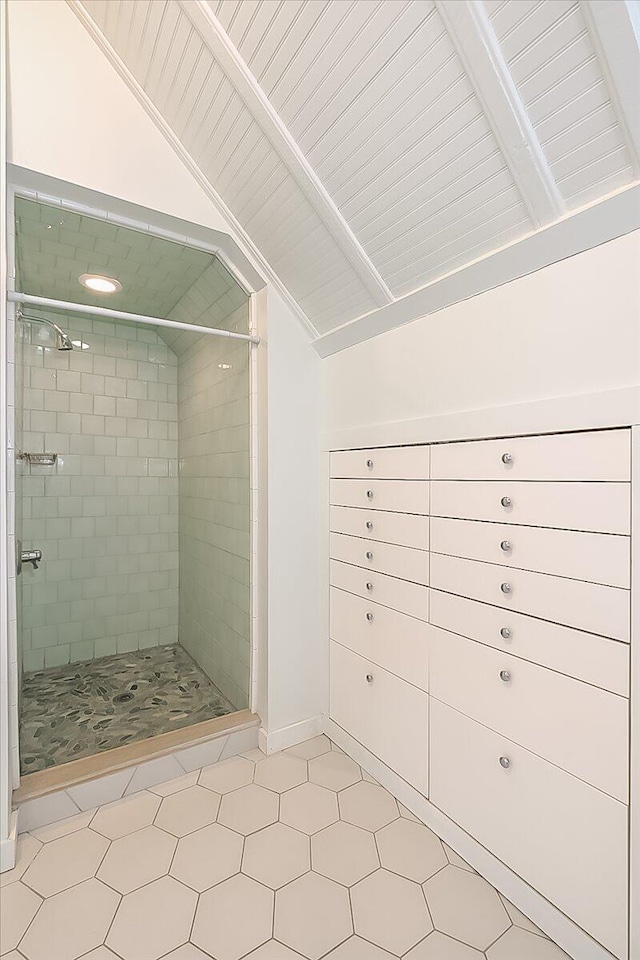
(98,284)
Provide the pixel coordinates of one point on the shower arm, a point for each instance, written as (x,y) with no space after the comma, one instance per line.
(22,298)
(62,337)
(23,316)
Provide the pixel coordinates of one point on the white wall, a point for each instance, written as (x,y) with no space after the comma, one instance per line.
(298,654)
(72,117)
(570,328)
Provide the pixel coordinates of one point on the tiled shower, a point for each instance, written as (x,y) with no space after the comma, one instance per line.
(143,593)
(106,515)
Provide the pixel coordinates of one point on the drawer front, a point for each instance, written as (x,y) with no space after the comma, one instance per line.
(587,606)
(584,656)
(597,557)
(403,562)
(564,837)
(386,715)
(409,598)
(598,507)
(384,463)
(578,727)
(401,496)
(600,455)
(405,529)
(388,638)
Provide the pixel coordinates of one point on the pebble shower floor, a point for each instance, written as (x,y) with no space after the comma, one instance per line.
(82,709)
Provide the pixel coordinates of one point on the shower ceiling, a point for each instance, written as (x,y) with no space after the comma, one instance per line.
(160,278)
(56,247)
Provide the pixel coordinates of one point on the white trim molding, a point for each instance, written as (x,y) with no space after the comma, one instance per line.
(598,223)
(276,740)
(473,36)
(250,92)
(9,845)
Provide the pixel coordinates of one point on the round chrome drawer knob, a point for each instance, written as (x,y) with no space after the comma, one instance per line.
(369,525)
(507,458)
(505,587)
(506,501)
(369,678)
(369,586)
(505,545)
(369,494)
(505,762)
(370,617)
(370,464)
(505,676)
(505,633)
(369,555)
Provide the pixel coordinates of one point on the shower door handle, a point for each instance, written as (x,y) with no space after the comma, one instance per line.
(29,556)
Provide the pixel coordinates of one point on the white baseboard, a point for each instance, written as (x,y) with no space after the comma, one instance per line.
(571,938)
(9,846)
(271,741)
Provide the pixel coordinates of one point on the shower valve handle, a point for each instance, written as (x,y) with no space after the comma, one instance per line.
(31,556)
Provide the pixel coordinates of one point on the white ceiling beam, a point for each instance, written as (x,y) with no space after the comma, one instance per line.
(598,223)
(269,121)
(615,32)
(474,38)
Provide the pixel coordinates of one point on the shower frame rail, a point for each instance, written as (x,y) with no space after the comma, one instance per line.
(25,298)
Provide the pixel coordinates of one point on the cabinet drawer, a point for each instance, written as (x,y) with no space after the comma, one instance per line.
(584,656)
(386,637)
(599,455)
(386,715)
(597,557)
(405,529)
(409,598)
(401,496)
(383,463)
(587,606)
(561,835)
(578,727)
(599,507)
(403,562)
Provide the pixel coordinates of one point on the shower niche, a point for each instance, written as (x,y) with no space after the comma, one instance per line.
(133,481)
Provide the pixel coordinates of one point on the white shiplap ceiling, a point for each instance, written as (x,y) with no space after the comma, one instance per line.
(368,147)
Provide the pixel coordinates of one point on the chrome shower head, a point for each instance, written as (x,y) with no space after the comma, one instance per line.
(63,340)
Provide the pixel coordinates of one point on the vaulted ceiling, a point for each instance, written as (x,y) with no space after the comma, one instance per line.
(368,147)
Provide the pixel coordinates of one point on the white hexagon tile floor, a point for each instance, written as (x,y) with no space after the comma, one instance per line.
(298,856)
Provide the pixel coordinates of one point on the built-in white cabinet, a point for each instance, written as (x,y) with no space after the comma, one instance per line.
(562,835)
(480,628)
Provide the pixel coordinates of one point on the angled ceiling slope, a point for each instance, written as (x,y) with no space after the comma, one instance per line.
(368,147)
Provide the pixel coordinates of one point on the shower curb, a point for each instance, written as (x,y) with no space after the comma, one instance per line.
(43,805)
